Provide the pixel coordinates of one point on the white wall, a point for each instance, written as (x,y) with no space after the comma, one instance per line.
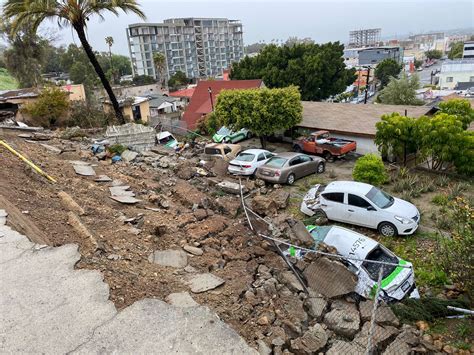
(457,77)
(364,145)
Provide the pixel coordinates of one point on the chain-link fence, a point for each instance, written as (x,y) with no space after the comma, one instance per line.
(349,282)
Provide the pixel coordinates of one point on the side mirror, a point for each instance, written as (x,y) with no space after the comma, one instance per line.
(371,208)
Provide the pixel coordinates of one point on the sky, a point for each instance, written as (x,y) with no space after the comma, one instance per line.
(264,20)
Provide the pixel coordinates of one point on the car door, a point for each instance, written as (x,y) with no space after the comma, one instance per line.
(309,145)
(261,159)
(359,211)
(333,205)
(296,167)
(307,165)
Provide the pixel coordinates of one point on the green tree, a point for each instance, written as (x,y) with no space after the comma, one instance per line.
(178,79)
(370,169)
(418,63)
(397,135)
(434,54)
(159,60)
(262,111)
(317,69)
(456,50)
(461,108)
(386,69)
(51,106)
(401,91)
(143,80)
(74,13)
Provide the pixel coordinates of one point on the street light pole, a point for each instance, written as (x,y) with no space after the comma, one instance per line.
(209,90)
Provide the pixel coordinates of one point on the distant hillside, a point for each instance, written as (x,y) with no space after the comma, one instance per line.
(7,82)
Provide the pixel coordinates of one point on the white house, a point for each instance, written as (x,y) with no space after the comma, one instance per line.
(454,71)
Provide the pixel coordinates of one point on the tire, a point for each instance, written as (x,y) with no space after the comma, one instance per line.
(321,168)
(328,156)
(290,180)
(297,148)
(320,217)
(249,135)
(227,140)
(387,229)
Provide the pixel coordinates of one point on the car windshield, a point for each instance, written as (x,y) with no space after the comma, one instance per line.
(380,198)
(224,131)
(373,269)
(212,151)
(245,157)
(276,162)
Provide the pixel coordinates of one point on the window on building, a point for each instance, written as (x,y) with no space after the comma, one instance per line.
(449,79)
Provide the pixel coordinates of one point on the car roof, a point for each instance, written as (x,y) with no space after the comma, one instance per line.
(164,134)
(254,151)
(348,243)
(288,155)
(348,186)
(220,145)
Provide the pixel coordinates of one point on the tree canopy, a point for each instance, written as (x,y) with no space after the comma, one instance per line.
(178,79)
(461,108)
(386,69)
(317,69)
(401,91)
(456,50)
(434,54)
(262,111)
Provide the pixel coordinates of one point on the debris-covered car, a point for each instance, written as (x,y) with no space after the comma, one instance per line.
(224,151)
(167,139)
(225,135)
(247,162)
(286,168)
(361,204)
(398,281)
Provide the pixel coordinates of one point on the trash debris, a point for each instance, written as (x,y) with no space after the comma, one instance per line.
(116,158)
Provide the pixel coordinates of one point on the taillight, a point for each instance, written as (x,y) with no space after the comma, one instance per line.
(246,166)
(277,172)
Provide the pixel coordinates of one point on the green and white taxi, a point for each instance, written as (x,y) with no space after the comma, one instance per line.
(225,135)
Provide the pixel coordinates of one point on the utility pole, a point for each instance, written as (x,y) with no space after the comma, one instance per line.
(367,85)
(209,90)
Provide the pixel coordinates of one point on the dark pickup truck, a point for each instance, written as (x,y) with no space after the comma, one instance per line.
(321,143)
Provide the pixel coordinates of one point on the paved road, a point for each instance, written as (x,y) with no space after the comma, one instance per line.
(425,74)
(46,306)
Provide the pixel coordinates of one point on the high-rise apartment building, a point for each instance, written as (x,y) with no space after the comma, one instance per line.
(199,47)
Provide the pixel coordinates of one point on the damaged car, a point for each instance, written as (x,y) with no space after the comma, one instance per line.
(363,205)
(365,258)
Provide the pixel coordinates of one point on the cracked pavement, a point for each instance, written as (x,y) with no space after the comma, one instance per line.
(46,306)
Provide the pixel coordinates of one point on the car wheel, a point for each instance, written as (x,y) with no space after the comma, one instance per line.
(328,156)
(249,135)
(297,148)
(320,169)
(290,180)
(226,140)
(320,217)
(387,229)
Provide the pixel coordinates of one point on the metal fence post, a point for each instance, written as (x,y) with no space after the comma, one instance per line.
(374,310)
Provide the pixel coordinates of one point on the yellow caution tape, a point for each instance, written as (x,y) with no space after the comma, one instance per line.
(36,168)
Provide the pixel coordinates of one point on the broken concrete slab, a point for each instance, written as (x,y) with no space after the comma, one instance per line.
(128,200)
(314,339)
(380,336)
(84,170)
(344,319)
(172,258)
(204,282)
(128,155)
(316,306)
(384,314)
(230,187)
(79,162)
(136,136)
(121,191)
(302,234)
(344,347)
(51,148)
(193,250)
(102,178)
(181,299)
(291,281)
(330,278)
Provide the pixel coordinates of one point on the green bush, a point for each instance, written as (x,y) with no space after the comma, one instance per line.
(440,200)
(117,149)
(87,116)
(370,169)
(50,108)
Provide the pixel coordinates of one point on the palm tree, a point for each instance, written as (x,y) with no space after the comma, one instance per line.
(110,41)
(74,13)
(160,65)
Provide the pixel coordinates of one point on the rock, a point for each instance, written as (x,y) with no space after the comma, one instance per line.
(290,280)
(230,187)
(422,325)
(114,257)
(383,315)
(342,347)
(228,205)
(344,319)
(294,309)
(193,250)
(278,341)
(263,348)
(200,214)
(264,205)
(448,349)
(128,155)
(164,203)
(301,233)
(281,198)
(380,336)
(190,269)
(403,343)
(330,278)
(314,339)
(181,299)
(204,282)
(164,163)
(263,320)
(316,306)
(172,258)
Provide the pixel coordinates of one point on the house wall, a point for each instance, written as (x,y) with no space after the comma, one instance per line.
(76,92)
(457,77)
(365,145)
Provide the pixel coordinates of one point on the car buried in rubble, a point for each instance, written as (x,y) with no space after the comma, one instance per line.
(365,257)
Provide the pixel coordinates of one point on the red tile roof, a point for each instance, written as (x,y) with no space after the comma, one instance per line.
(200,104)
(183,93)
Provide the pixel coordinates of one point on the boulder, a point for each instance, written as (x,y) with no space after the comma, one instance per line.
(344,319)
(172,258)
(291,281)
(263,205)
(380,336)
(302,235)
(128,155)
(281,197)
(314,339)
(383,314)
(344,347)
(330,278)
(316,306)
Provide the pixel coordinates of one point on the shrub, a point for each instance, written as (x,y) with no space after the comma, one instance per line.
(51,106)
(440,200)
(117,149)
(86,116)
(370,169)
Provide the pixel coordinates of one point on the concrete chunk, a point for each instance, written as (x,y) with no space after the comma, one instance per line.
(181,299)
(172,258)
(128,155)
(204,282)
(84,170)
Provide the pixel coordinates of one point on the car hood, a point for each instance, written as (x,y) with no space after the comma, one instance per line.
(218,138)
(403,208)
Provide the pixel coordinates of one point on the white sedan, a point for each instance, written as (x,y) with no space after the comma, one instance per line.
(247,162)
(362,204)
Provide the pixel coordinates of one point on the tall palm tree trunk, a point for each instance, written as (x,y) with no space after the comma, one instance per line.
(98,69)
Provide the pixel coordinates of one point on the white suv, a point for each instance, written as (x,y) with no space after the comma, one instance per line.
(361,204)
